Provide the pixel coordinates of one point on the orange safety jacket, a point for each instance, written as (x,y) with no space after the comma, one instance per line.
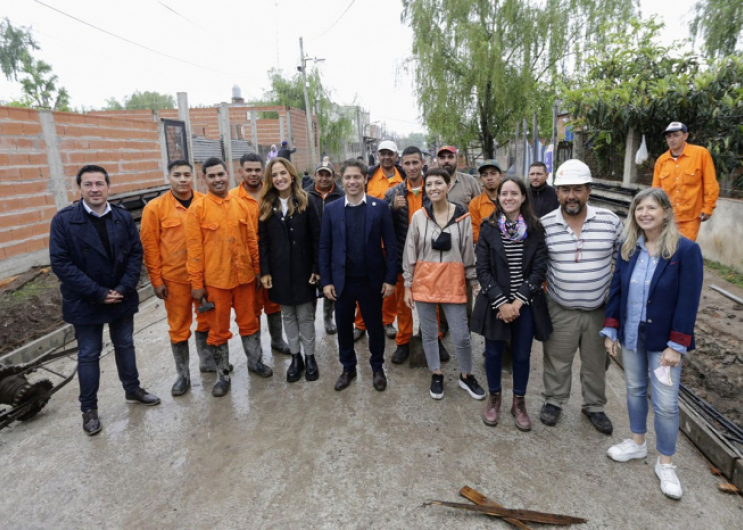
(222,243)
(249,201)
(481,207)
(163,235)
(379,183)
(690,182)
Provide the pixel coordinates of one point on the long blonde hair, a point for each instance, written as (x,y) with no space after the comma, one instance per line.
(269,194)
(669,236)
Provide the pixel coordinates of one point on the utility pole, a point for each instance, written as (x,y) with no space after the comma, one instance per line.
(308,111)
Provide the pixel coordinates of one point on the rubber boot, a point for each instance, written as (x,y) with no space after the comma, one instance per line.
(311,372)
(206,359)
(295,368)
(180,354)
(222,358)
(252,347)
(274,328)
(328,308)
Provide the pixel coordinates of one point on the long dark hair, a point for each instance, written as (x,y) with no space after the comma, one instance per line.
(532,222)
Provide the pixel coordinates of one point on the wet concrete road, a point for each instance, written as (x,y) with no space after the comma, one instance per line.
(285,456)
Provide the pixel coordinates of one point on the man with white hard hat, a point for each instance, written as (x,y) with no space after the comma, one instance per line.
(581,241)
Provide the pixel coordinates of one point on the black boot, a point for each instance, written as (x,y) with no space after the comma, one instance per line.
(275,329)
(295,368)
(222,358)
(328,308)
(312,372)
(180,354)
(206,359)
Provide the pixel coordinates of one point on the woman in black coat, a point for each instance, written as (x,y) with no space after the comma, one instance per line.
(288,239)
(511,266)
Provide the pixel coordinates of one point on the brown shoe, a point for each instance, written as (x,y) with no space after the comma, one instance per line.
(492,410)
(379,380)
(344,380)
(520,417)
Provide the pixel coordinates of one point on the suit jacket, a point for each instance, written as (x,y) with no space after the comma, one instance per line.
(81,263)
(382,266)
(673,298)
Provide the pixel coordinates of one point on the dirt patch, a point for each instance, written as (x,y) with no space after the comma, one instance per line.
(30,312)
(714,371)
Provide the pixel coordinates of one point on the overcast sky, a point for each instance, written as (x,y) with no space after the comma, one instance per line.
(228,42)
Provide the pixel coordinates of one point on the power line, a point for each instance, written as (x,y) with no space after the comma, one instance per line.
(136,43)
(177,13)
(334,23)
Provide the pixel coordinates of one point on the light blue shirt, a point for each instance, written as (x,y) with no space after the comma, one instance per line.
(637,300)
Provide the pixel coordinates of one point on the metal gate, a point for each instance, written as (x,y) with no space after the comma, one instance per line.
(176,141)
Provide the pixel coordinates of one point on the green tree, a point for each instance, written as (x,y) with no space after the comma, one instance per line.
(15,46)
(113,104)
(333,122)
(483,65)
(720,24)
(633,82)
(38,83)
(149,100)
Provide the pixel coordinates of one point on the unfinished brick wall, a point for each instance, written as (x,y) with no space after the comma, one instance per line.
(26,203)
(31,180)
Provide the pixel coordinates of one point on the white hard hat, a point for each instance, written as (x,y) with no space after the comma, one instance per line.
(572,173)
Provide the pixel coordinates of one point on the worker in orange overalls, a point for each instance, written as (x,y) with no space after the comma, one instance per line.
(687,174)
(483,206)
(381,178)
(163,235)
(249,189)
(223,267)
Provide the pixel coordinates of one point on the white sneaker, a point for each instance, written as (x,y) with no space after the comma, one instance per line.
(669,482)
(627,450)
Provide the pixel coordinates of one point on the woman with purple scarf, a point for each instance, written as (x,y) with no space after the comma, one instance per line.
(511,266)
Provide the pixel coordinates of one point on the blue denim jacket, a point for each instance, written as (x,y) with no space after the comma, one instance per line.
(637,298)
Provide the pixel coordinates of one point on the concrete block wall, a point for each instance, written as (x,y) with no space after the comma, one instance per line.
(720,237)
(40,154)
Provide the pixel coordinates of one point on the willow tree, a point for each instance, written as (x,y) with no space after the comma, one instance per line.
(481,66)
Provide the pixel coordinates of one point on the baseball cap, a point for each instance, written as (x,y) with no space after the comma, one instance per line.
(284,143)
(490,163)
(572,173)
(327,166)
(447,148)
(389,145)
(673,127)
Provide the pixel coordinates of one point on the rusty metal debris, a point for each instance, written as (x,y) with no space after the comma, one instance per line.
(512,516)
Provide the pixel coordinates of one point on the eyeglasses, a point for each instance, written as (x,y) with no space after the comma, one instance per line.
(578,248)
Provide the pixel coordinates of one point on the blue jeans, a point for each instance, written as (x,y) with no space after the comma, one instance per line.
(638,369)
(90,343)
(522,335)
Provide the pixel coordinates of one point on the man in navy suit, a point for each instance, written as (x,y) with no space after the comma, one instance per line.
(353,268)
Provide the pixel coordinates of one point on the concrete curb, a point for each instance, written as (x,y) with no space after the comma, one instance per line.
(716,449)
(33,350)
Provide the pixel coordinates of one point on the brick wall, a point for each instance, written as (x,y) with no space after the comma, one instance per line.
(26,203)
(31,180)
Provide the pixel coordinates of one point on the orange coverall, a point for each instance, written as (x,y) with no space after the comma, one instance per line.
(163,234)
(481,207)
(691,183)
(377,186)
(262,303)
(223,259)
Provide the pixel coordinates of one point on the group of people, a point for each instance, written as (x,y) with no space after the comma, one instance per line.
(509,260)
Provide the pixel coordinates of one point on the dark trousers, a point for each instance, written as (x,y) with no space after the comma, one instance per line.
(370,303)
(522,335)
(90,343)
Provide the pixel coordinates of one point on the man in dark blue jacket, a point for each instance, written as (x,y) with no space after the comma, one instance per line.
(96,253)
(353,268)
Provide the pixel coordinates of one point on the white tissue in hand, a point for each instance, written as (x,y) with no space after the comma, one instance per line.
(663,373)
